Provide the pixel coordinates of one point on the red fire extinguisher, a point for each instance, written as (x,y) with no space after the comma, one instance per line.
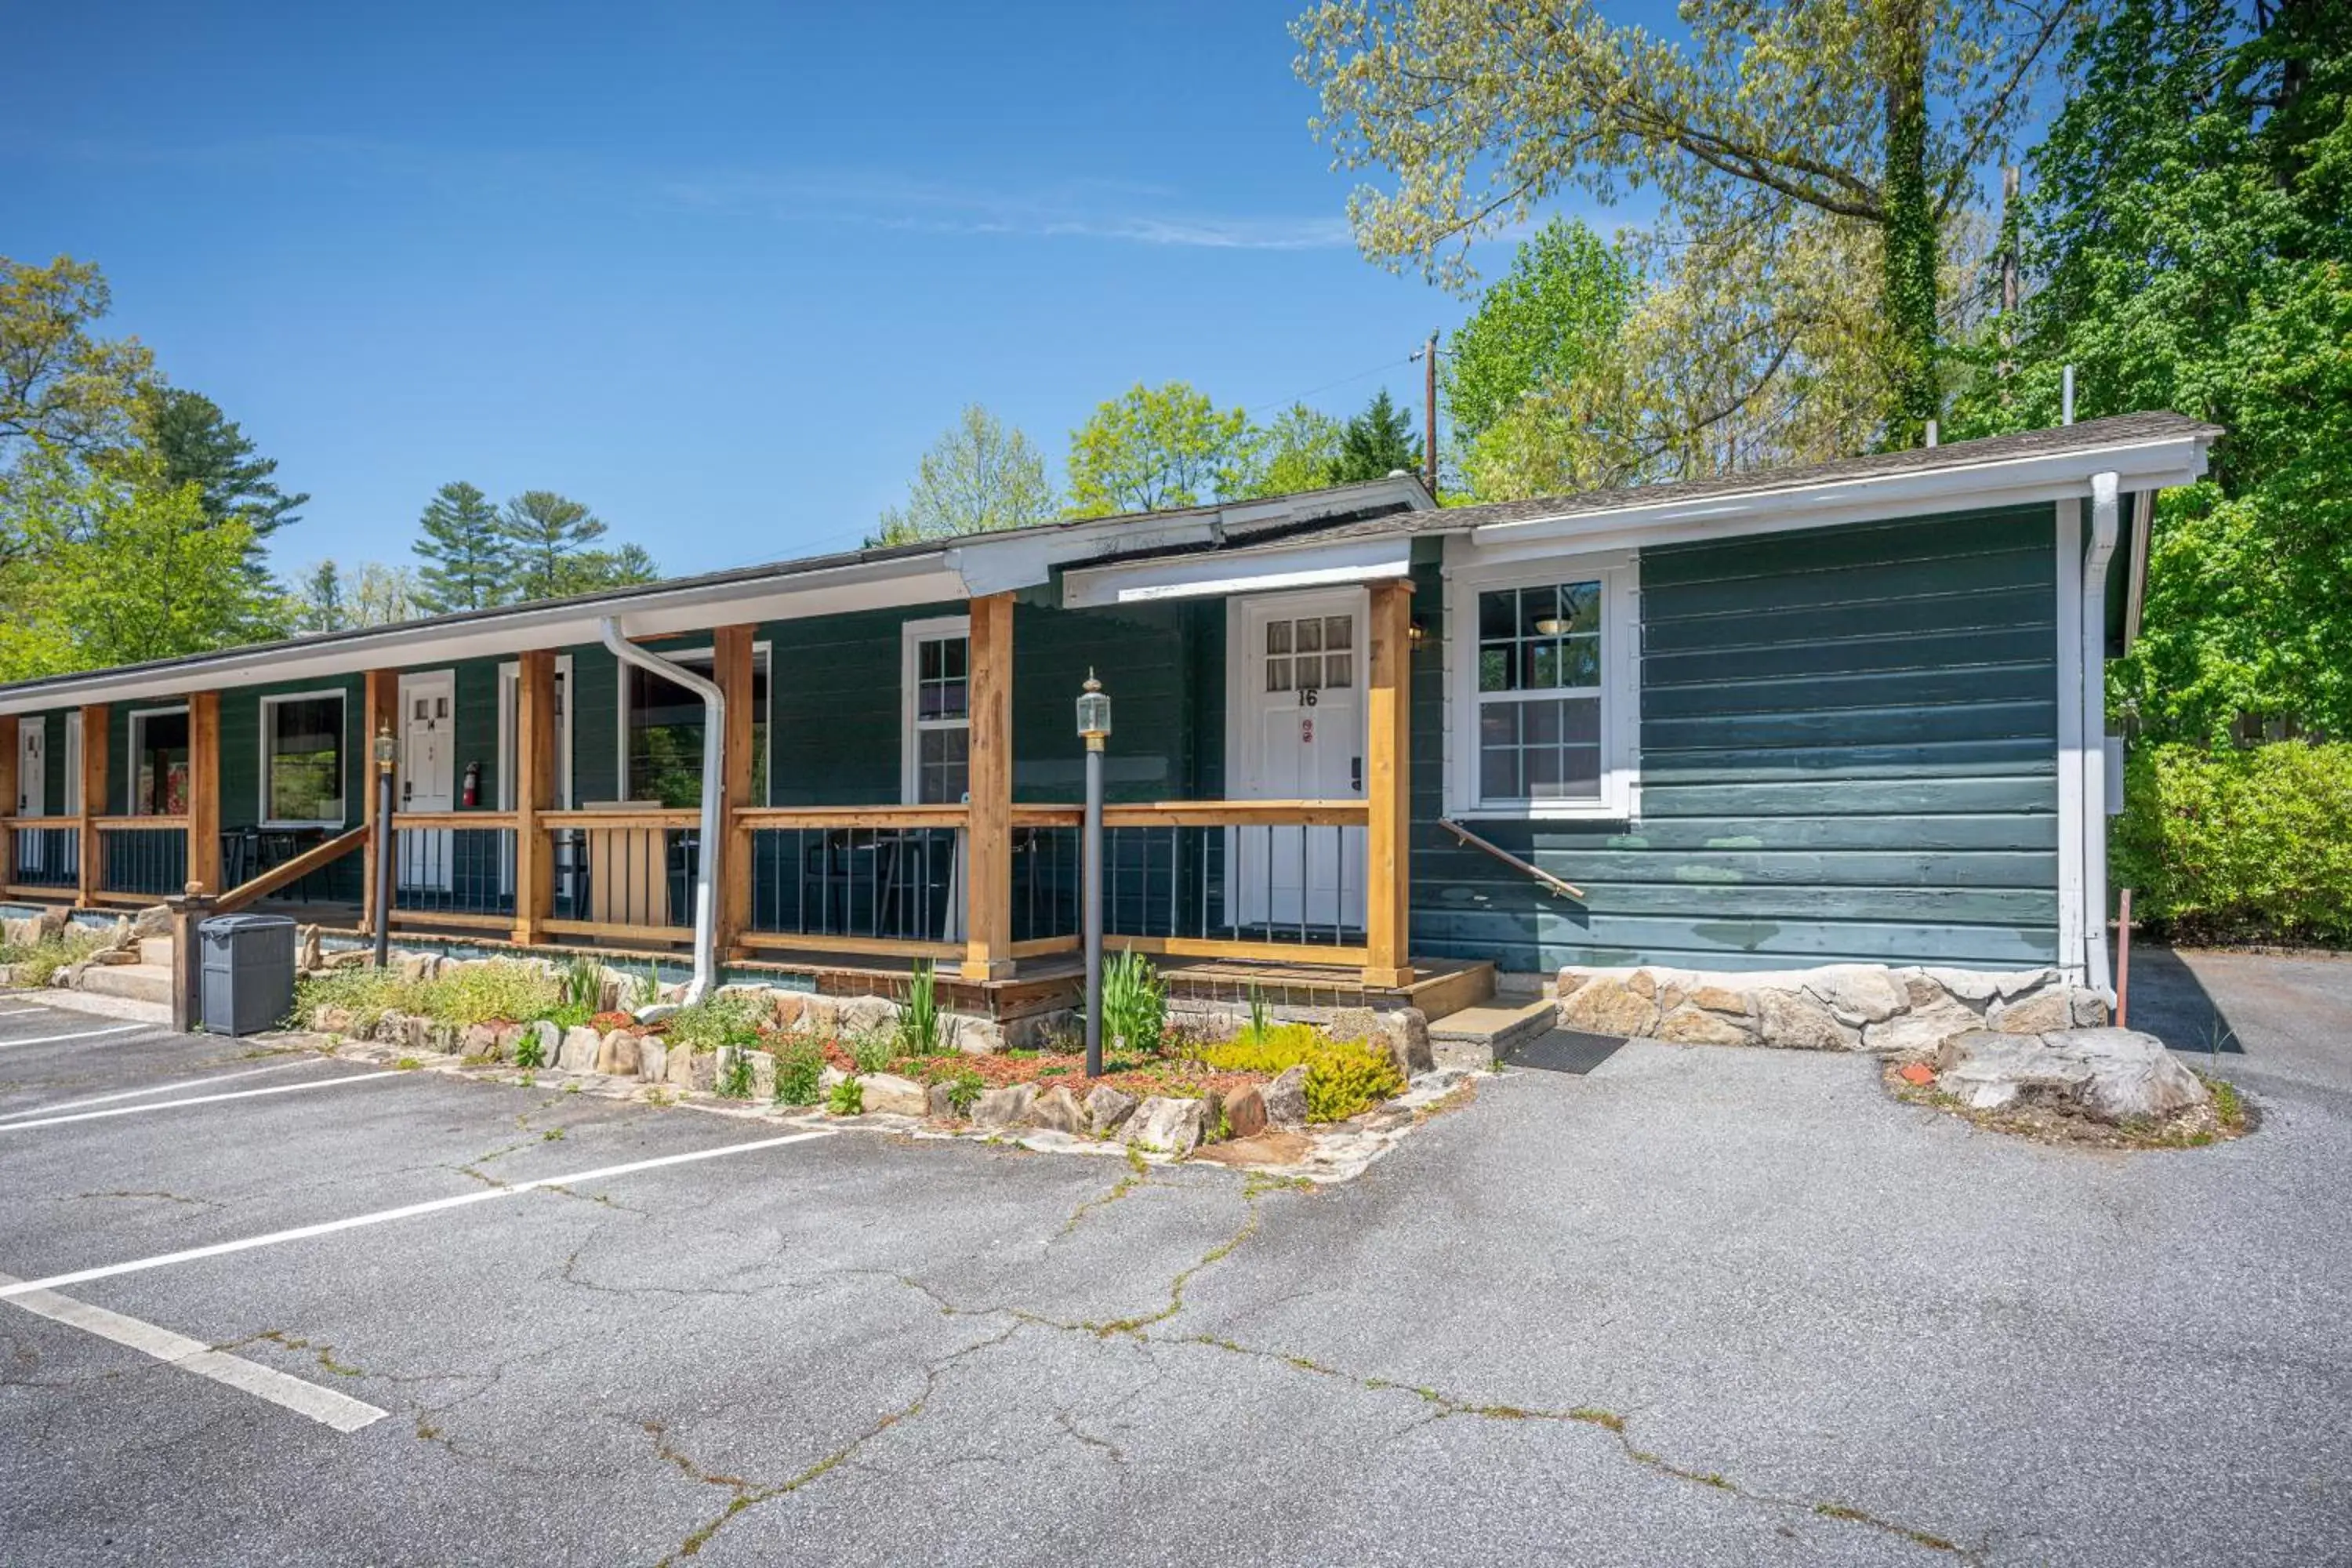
(473,785)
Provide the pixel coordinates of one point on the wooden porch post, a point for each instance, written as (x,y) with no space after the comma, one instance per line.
(534,791)
(203,791)
(93,802)
(7,799)
(382,709)
(730,663)
(1388,787)
(988,852)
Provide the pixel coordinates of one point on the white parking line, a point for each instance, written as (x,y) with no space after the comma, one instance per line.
(12,1289)
(20,1012)
(160,1088)
(324,1405)
(77,1035)
(199,1099)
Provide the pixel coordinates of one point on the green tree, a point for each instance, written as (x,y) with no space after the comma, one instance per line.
(195,444)
(1378,442)
(383,595)
(60,385)
(2187,237)
(592,571)
(1791,145)
(1158,446)
(544,532)
(108,569)
(466,556)
(1299,451)
(980,476)
(317,602)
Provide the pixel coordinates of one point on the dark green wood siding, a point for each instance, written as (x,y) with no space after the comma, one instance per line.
(1163,665)
(1848,753)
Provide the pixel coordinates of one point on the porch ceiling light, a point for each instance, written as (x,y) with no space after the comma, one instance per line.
(1552,626)
(1094,714)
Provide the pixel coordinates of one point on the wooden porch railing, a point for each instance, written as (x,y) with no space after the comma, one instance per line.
(890,880)
(141,859)
(45,858)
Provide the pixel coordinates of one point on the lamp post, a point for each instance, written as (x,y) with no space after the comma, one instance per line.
(387,753)
(1094,728)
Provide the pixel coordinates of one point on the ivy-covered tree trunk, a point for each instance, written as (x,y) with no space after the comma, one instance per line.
(1909,278)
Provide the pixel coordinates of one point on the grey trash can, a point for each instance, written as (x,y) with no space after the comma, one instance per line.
(249,972)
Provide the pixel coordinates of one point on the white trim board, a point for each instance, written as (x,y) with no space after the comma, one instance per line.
(1352,561)
(342,763)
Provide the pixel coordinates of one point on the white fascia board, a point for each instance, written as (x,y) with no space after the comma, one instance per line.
(1240,572)
(2142,465)
(910,579)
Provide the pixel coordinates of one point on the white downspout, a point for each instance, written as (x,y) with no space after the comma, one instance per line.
(714,755)
(2103,531)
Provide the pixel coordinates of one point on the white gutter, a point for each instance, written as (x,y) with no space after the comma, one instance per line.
(2093,697)
(714,762)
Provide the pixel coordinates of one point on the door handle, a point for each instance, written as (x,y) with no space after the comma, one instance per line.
(1356,774)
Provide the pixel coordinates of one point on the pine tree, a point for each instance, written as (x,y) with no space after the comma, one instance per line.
(545,532)
(467,561)
(319,599)
(1378,442)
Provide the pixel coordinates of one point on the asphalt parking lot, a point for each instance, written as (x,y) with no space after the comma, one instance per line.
(1691,1306)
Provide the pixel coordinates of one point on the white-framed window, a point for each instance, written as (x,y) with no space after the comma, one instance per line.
(302,766)
(661,731)
(1543,688)
(159,762)
(935,690)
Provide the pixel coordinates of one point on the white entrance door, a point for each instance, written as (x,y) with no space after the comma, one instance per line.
(32,788)
(1296,672)
(427,782)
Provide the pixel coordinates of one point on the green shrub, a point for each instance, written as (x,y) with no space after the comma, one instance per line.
(367,994)
(919,1020)
(800,1061)
(530,1051)
(1344,1078)
(583,985)
(741,1076)
(720,1018)
(873,1050)
(485,994)
(2239,846)
(1135,1007)
(39,964)
(848,1098)
(965,1086)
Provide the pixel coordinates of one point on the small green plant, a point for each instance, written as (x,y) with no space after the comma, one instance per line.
(739,1079)
(484,993)
(800,1063)
(530,1050)
(1344,1078)
(848,1098)
(407,1064)
(583,985)
(1135,1007)
(873,1050)
(1261,1017)
(721,1018)
(552,1135)
(965,1086)
(39,964)
(919,1020)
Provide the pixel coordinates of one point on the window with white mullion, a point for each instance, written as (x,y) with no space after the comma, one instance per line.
(1540,694)
(938,713)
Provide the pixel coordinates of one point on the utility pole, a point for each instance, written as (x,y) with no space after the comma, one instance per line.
(2008,270)
(1428,356)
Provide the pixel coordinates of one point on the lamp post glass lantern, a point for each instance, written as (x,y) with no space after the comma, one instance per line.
(387,756)
(1094,728)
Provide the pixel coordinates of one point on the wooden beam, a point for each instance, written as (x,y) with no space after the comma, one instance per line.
(1388,788)
(730,661)
(8,758)
(203,791)
(534,792)
(988,853)
(383,711)
(93,800)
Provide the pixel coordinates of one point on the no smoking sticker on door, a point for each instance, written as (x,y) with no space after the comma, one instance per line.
(1307,731)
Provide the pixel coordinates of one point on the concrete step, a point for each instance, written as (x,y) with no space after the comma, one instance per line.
(1488,1033)
(136,981)
(155,949)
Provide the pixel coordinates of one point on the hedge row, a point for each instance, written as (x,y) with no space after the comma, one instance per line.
(2243,846)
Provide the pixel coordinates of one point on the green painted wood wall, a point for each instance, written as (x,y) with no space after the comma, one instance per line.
(1848,753)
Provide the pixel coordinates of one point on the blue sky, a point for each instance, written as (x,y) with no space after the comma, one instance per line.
(722,271)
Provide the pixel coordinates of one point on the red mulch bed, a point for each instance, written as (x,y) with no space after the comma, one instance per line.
(1164,1076)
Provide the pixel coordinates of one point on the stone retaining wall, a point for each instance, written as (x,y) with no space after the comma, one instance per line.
(1837,1008)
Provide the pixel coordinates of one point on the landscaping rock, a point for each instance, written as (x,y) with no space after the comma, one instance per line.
(1165,1125)
(551,1041)
(579,1049)
(1355,1024)
(688,1071)
(307,956)
(1794,1021)
(2036,1013)
(869,1016)
(1694,1026)
(155,920)
(764,1077)
(1923,1029)
(1058,1110)
(898,1096)
(1285,1098)
(480,1040)
(941,1099)
(617,1057)
(972,1037)
(1857,994)
(1004,1108)
(827,1078)
(1107,1108)
(1245,1113)
(1407,1032)
(653,1060)
(1613,1004)
(2107,1075)
(509,1037)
